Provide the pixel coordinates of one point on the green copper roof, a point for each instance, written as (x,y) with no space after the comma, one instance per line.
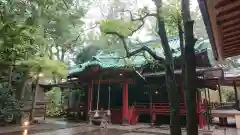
(112,60)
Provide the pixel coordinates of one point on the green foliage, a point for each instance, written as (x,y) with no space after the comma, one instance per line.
(47,66)
(8,104)
(17,26)
(172,16)
(54,108)
(122,27)
(228,94)
(77,95)
(86,54)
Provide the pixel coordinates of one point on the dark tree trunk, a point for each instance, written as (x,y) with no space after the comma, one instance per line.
(21,88)
(173,92)
(190,70)
(10,77)
(180,34)
(190,79)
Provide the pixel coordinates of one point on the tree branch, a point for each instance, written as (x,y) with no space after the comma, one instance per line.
(80,34)
(65,3)
(138,19)
(143,48)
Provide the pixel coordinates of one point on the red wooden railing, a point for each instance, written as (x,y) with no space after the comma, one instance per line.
(158,108)
(163,108)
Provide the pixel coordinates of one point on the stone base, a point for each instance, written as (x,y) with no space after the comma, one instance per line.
(237,117)
(125,122)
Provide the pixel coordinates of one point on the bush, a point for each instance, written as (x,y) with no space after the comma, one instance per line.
(9,106)
(54,108)
(228,94)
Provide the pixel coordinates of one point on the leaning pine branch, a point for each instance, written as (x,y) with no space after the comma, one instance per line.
(143,48)
(141,19)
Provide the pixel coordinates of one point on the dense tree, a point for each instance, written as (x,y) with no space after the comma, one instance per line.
(34,34)
(125,28)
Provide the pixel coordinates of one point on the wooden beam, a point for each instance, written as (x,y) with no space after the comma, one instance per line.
(231,24)
(232,49)
(228,9)
(232,52)
(210,11)
(228,18)
(223,3)
(227,55)
(120,81)
(231,39)
(233,43)
(232,34)
(232,29)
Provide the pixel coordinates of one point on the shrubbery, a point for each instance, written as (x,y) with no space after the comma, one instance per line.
(9,106)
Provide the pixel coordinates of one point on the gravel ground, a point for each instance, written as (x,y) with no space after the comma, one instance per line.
(63,128)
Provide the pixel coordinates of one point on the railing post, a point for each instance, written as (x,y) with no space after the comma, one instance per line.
(125,120)
(220,94)
(236,95)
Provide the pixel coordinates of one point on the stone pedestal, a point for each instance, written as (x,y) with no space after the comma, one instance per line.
(237,117)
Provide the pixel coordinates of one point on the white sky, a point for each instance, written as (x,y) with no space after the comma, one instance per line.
(95,12)
(100,6)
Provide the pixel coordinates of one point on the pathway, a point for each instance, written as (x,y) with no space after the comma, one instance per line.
(63,128)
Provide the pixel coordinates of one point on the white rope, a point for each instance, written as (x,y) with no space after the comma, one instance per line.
(96,113)
(109,99)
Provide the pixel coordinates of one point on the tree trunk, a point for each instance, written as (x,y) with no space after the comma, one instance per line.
(190,79)
(190,70)
(21,88)
(173,92)
(180,34)
(10,77)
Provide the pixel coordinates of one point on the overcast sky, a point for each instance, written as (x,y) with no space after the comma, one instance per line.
(94,12)
(99,7)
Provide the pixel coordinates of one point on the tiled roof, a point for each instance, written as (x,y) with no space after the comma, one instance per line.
(113,60)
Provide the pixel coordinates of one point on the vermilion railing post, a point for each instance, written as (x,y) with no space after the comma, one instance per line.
(89,104)
(125,118)
(199,110)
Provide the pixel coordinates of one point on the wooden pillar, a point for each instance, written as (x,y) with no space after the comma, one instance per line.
(223,121)
(220,95)
(199,106)
(236,95)
(125,118)
(151,111)
(209,98)
(210,106)
(89,103)
(34,97)
(182,96)
(62,102)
